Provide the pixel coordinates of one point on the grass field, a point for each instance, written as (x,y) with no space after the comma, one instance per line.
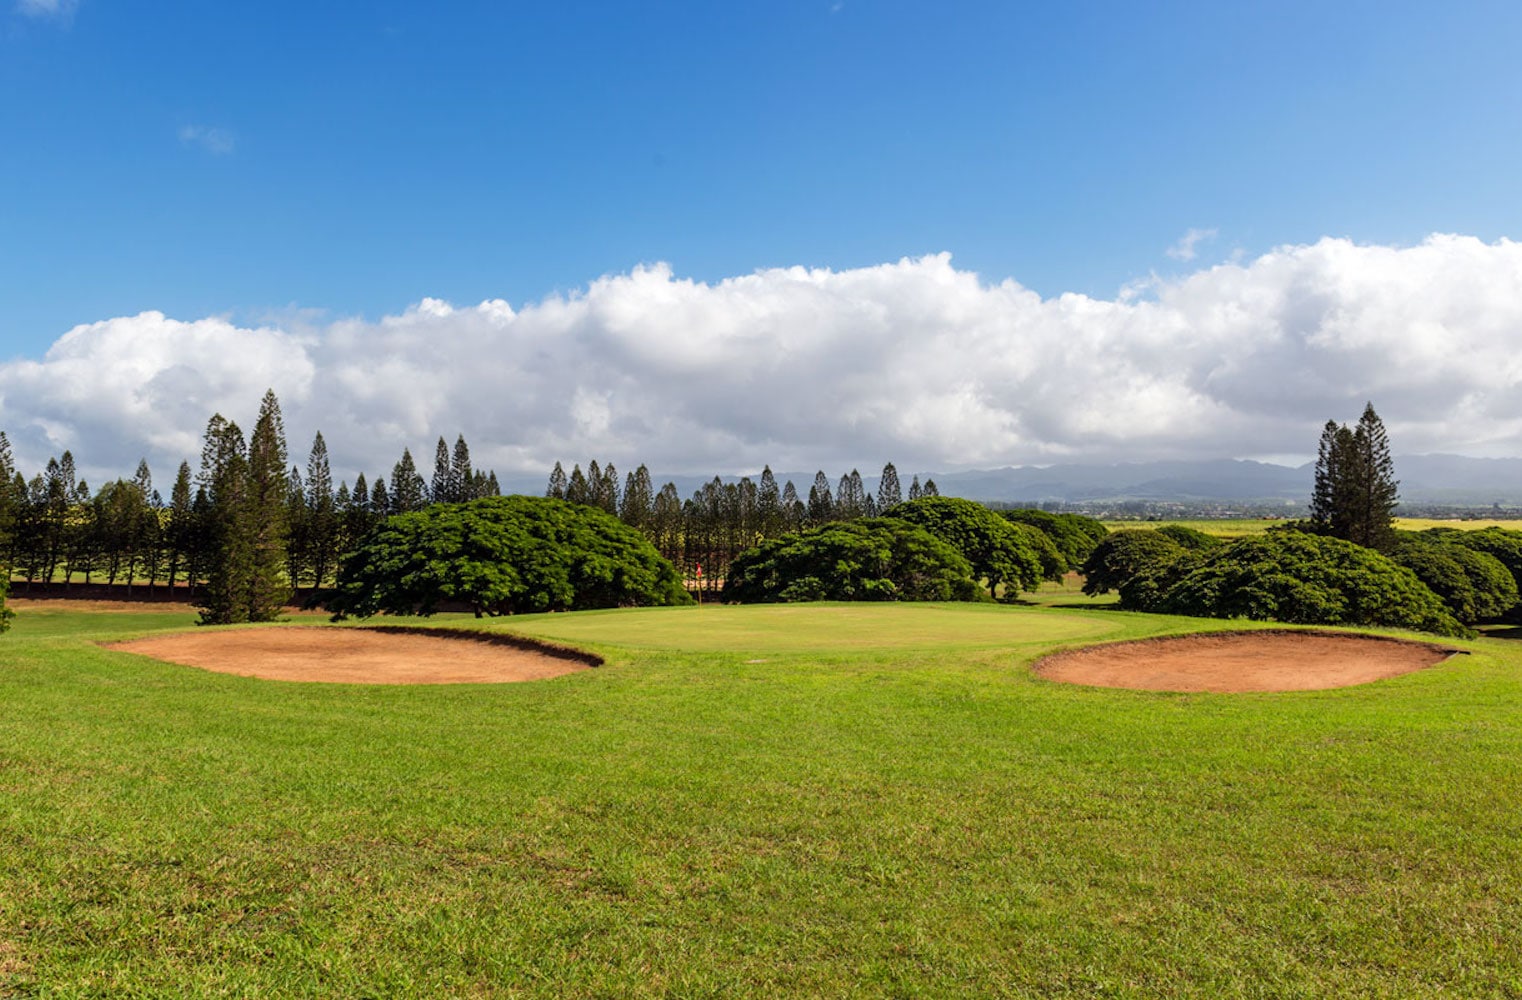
(1236,528)
(787,801)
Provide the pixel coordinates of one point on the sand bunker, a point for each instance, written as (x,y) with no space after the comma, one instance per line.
(363,655)
(1243,661)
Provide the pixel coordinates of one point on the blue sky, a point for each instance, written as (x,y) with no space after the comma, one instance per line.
(296,164)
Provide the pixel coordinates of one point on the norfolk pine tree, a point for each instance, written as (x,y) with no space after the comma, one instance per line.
(268,590)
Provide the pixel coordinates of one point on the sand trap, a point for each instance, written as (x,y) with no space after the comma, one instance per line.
(1243,661)
(363,655)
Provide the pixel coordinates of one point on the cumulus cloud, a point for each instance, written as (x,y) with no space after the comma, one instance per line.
(1184,249)
(914,361)
(216,141)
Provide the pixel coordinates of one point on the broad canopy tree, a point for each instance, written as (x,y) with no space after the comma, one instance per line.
(503,555)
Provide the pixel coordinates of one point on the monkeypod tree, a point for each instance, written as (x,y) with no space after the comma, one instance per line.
(1074,535)
(1474,585)
(503,555)
(1139,564)
(999,553)
(871,559)
(1307,579)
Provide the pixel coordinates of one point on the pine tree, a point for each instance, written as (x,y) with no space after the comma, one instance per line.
(576,489)
(768,505)
(460,473)
(821,503)
(639,498)
(493,488)
(557,487)
(408,491)
(322,513)
(915,490)
(594,486)
(268,590)
(931,490)
(1355,491)
(380,502)
(794,513)
(609,495)
(1381,490)
(224,485)
(442,489)
(298,527)
(180,528)
(889,493)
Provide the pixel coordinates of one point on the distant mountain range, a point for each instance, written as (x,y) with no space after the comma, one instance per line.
(1427,479)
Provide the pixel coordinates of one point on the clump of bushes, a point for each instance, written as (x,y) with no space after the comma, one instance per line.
(872,559)
(503,555)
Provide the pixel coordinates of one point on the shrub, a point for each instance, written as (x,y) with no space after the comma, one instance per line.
(503,555)
(1307,579)
(872,559)
(998,552)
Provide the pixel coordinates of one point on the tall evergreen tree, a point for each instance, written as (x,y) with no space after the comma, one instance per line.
(768,505)
(889,493)
(408,490)
(460,473)
(268,590)
(931,490)
(557,486)
(442,488)
(576,488)
(380,502)
(821,501)
(1355,491)
(594,485)
(321,513)
(608,495)
(915,490)
(794,513)
(180,529)
(224,483)
(1381,490)
(635,509)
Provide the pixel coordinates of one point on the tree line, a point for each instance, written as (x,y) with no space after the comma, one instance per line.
(241,533)
(704,533)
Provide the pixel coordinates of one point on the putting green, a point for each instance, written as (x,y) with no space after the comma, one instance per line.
(820,627)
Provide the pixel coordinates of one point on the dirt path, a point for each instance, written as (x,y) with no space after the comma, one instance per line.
(362,655)
(1243,661)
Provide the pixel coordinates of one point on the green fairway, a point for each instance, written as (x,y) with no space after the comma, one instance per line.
(823,628)
(820,800)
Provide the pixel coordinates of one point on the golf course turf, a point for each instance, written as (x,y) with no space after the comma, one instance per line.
(836,800)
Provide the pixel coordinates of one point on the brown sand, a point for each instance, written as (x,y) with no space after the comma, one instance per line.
(363,655)
(1243,661)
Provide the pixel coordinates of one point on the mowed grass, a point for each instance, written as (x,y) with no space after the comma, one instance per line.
(888,805)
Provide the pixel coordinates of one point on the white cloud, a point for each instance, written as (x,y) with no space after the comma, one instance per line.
(913,361)
(60,9)
(1184,249)
(216,141)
